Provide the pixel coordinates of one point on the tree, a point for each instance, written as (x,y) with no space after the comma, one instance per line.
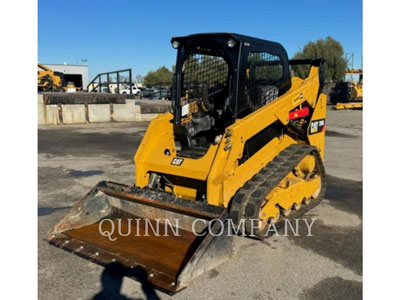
(122,78)
(162,75)
(329,49)
(139,78)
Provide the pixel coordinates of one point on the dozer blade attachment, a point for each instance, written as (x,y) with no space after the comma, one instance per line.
(174,240)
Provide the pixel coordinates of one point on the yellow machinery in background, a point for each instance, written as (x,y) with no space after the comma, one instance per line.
(355,92)
(243,146)
(49,80)
(70,88)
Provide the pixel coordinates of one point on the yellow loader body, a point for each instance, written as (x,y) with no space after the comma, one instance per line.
(218,172)
(242,149)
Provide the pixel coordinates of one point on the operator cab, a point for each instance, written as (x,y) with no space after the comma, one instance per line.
(219,78)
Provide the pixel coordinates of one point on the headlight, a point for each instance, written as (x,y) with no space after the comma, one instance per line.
(231,43)
(175,44)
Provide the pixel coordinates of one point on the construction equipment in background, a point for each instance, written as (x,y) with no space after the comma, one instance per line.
(356,87)
(49,80)
(243,145)
(347,105)
(355,92)
(70,88)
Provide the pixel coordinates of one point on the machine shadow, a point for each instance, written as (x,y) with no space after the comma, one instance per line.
(345,194)
(111,280)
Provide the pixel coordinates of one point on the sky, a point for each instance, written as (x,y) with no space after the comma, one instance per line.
(121,34)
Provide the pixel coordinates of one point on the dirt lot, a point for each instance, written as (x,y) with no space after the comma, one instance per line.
(327,265)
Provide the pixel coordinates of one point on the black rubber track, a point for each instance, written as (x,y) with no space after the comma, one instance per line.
(247,201)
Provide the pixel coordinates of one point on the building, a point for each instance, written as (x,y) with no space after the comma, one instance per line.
(78,74)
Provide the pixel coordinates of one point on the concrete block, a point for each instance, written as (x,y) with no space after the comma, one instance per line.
(138,115)
(51,115)
(73,113)
(143,117)
(41,110)
(76,113)
(124,112)
(148,117)
(99,113)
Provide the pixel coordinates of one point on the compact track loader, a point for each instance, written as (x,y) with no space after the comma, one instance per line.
(242,146)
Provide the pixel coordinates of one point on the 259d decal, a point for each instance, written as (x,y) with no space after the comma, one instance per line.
(316,126)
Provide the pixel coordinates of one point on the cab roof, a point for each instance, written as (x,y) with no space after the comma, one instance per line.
(224,35)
